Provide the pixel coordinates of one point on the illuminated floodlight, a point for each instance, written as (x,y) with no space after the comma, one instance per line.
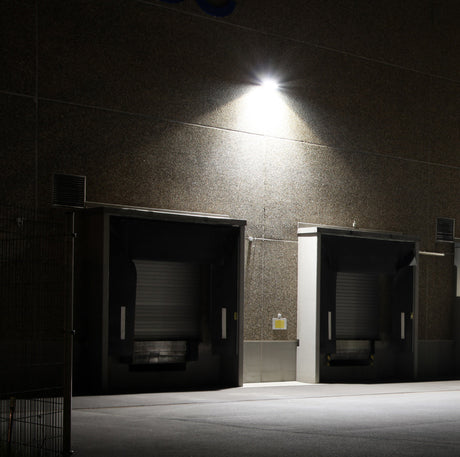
(269,84)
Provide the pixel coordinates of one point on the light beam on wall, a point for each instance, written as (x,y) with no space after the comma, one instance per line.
(264,110)
(264,106)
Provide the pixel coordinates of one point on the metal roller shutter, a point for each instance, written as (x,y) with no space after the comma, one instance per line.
(167,300)
(357,306)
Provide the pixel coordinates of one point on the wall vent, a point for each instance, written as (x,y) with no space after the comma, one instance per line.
(69,190)
(445,229)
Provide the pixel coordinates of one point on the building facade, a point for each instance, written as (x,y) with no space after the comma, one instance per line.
(160,105)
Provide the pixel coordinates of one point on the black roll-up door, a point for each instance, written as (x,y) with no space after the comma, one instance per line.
(357,306)
(167,300)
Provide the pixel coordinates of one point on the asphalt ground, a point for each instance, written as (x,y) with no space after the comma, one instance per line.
(274,419)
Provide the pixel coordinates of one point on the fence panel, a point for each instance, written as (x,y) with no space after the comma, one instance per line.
(35,305)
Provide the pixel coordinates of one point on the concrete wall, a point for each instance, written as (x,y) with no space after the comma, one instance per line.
(156,104)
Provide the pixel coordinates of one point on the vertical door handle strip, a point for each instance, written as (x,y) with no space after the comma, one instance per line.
(224,323)
(123,323)
(403,326)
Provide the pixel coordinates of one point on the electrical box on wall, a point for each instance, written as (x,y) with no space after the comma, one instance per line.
(279,323)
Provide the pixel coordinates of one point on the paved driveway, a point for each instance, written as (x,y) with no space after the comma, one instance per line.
(282,420)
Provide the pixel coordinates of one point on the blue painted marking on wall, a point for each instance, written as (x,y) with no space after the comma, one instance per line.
(214,10)
(210,8)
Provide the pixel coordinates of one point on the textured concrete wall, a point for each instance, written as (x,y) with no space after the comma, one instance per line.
(156,104)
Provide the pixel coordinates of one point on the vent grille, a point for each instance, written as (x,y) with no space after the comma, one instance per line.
(445,229)
(69,190)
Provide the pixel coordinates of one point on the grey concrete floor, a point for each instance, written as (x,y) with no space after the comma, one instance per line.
(286,419)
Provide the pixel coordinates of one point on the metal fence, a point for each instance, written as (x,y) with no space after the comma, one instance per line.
(36,252)
(33,426)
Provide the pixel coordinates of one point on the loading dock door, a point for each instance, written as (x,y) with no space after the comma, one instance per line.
(355,306)
(152,317)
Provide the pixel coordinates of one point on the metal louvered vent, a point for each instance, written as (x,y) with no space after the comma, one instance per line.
(69,190)
(445,229)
